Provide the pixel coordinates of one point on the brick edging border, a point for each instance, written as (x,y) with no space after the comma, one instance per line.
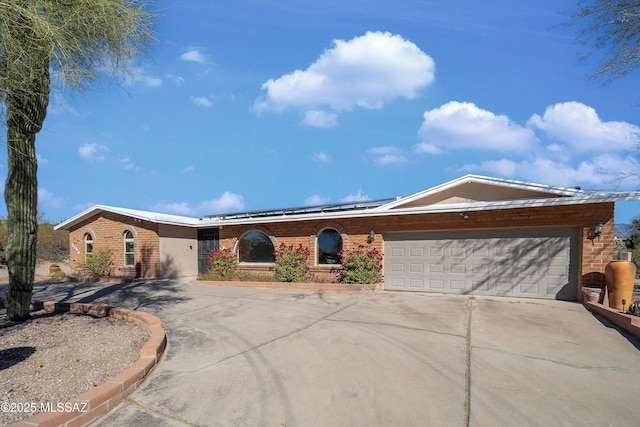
(627,322)
(293,285)
(104,397)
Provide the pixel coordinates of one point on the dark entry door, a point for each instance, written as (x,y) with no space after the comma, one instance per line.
(208,241)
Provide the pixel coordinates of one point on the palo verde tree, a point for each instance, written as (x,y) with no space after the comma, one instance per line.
(45,44)
(611,27)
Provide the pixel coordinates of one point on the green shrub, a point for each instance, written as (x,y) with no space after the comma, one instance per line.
(58,273)
(97,264)
(634,308)
(222,264)
(291,263)
(361,266)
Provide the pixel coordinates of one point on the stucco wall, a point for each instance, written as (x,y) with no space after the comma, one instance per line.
(178,251)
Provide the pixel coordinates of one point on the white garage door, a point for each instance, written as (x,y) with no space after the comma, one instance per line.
(536,263)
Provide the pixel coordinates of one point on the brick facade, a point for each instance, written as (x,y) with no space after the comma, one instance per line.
(595,252)
(108,231)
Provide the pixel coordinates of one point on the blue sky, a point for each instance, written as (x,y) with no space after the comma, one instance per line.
(248,105)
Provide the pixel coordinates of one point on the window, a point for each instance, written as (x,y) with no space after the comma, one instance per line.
(329,244)
(88,245)
(255,246)
(129,258)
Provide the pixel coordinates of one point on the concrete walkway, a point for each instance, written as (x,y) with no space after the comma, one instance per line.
(272,357)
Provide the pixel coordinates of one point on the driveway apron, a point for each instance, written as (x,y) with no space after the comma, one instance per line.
(280,357)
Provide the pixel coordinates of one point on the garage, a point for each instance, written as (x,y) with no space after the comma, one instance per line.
(532,263)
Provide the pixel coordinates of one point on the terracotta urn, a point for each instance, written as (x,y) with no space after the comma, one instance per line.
(620,277)
(53,268)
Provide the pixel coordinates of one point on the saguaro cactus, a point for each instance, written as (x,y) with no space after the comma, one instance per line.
(26,99)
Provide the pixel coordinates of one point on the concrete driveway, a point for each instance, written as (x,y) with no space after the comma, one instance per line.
(272,357)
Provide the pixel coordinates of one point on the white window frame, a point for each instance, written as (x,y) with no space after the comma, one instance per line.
(131,253)
(88,243)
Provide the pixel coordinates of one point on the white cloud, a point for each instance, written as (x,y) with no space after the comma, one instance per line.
(47,200)
(566,149)
(388,155)
(194,54)
(321,157)
(316,200)
(138,75)
(579,127)
(41,160)
(174,208)
(366,71)
(225,203)
(464,126)
(188,169)
(320,119)
(202,101)
(504,167)
(598,172)
(358,197)
(129,165)
(391,159)
(93,152)
(179,81)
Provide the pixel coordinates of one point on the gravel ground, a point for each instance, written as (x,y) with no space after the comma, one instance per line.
(56,356)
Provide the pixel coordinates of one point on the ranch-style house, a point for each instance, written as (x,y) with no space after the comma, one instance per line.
(473,235)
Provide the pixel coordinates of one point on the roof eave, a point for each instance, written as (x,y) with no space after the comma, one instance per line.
(499,182)
(443,208)
(154,217)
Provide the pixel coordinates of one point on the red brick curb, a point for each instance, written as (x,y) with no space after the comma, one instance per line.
(627,322)
(293,285)
(96,402)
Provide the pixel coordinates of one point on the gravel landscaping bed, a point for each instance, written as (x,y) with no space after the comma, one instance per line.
(54,357)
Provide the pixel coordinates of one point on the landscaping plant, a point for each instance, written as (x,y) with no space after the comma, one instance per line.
(363,266)
(222,263)
(634,308)
(291,263)
(97,264)
(63,46)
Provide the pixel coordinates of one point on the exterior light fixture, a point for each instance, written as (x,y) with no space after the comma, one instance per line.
(464,215)
(371,237)
(598,229)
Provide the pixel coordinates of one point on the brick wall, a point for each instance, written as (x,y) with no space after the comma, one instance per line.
(595,252)
(108,230)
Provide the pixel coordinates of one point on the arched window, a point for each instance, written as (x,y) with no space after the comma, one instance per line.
(329,245)
(129,253)
(255,246)
(88,245)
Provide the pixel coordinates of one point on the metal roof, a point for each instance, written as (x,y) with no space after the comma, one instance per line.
(336,207)
(376,208)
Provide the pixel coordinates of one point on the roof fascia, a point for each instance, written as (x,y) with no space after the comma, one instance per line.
(479,179)
(154,217)
(586,198)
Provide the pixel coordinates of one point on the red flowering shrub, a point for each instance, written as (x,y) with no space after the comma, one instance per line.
(223,263)
(362,266)
(291,263)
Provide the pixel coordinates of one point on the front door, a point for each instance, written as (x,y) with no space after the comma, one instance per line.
(208,241)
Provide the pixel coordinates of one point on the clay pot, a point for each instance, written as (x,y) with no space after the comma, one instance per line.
(591,294)
(54,268)
(620,276)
